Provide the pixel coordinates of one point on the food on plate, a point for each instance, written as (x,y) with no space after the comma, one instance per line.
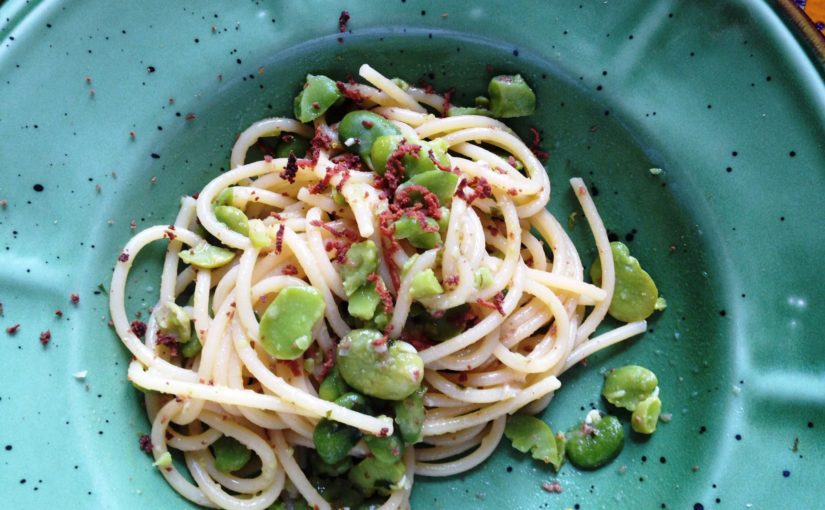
(369,300)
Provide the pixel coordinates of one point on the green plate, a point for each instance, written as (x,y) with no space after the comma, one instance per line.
(725,97)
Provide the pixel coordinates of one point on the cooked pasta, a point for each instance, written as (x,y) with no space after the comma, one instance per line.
(480,284)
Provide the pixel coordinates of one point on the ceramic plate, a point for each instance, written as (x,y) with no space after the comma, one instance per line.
(724,97)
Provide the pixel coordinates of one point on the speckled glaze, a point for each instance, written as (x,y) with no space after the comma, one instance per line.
(109,111)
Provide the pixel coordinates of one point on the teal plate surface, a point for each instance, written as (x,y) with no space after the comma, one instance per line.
(720,95)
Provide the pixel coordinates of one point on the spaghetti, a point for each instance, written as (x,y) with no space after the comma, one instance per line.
(511,283)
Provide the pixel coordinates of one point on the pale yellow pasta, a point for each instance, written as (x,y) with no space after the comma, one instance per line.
(507,260)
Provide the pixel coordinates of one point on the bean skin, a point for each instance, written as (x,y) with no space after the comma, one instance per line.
(635,295)
(286,325)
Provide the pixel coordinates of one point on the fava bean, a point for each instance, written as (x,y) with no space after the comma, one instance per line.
(206,256)
(409,416)
(441,183)
(415,163)
(333,385)
(368,364)
(595,441)
(333,441)
(439,147)
(230,454)
(400,83)
(627,386)
(448,325)
(338,492)
(233,218)
(322,467)
(318,94)
(296,145)
(646,415)
(355,401)
(259,234)
(635,295)
(359,129)
(483,277)
(372,475)
(379,321)
(408,264)
(425,284)
(410,229)
(455,111)
(226,197)
(503,154)
(529,434)
(387,449)
(384,146)
(363,302)
(175,320)
(191,348)
(510,96)
(293,504)
(361,261)
(338,198)
(164,461)
(444,221)
(286,325)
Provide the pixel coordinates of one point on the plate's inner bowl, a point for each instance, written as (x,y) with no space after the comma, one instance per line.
(584,139)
